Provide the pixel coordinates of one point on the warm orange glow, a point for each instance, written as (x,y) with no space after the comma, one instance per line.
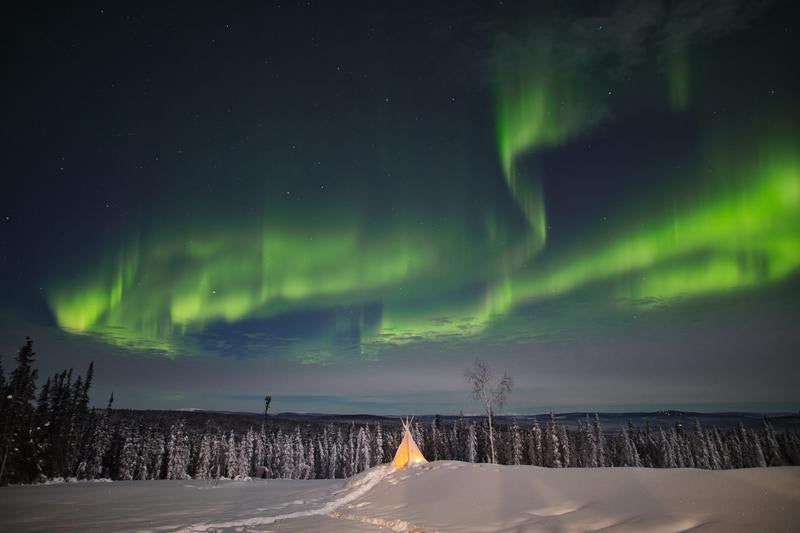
(407,453)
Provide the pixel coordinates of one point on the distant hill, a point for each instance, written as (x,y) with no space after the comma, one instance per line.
(609,421)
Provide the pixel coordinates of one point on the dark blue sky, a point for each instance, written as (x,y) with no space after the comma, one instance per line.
(344,205)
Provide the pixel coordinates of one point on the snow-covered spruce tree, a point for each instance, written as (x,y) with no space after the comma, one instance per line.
(667,456)
(587,449)
(390,443)
(350,452)
(202,469)
(744,449)
(127,460)
(579,437)
(82,423)
(492,397)
(73,434)
(627,455)
(714,456)
(271,453)
(736,448)
(535,444)
(334,465)
(357,451)
(437,440)
(639,442)
(418,432)
(757,458)
(300,467)
(162,436)
(16,447)
(310,469)
(141,459)
(286,459)
(472,444)
(149,452)
(100,443)
(552,448)
(215,467)
(675,446)
(647,444)
(378,445)
(791,443)
(59,423)
(41,418)
(772,450)
(722,449)
(700,453)
(231,463)
(600,441)
(364,455)
(566,451)
(501,444)
(178,452)
(632,432)
(320,467)
(259,455)
(245,456)
(683,447)
(516,445)
(455,448)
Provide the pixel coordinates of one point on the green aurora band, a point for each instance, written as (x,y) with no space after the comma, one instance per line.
(742,232)
(678,79)
(159,289)
(450,280)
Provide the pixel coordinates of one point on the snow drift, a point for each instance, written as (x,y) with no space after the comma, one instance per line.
(439,496)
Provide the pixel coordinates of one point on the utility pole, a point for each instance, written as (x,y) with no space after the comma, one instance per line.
(267,400)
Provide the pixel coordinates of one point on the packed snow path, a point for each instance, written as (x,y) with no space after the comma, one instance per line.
(353,488)
(440,496)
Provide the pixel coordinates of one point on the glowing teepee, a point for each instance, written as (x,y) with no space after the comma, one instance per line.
(407,453)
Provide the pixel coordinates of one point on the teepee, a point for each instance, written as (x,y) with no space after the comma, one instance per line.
(407,453)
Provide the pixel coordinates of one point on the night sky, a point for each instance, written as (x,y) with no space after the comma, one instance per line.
(344,204)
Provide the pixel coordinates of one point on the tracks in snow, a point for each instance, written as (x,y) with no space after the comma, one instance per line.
(353,489)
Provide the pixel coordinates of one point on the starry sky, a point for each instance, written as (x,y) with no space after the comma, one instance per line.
(344,204)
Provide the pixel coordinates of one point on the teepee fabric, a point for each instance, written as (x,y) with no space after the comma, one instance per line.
(407,453)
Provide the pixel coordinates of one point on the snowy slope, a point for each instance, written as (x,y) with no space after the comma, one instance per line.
(441,496)
(454,496)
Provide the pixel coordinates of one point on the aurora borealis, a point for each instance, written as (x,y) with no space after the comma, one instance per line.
(604,199)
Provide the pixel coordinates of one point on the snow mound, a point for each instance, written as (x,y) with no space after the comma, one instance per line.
(460,497)
(439,496)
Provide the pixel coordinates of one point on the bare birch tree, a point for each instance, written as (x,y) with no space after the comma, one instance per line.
(493,396)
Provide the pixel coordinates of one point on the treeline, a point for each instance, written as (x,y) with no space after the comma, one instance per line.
(57,435)
(51,435)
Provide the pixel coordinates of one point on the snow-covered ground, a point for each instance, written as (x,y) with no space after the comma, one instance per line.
(441,496)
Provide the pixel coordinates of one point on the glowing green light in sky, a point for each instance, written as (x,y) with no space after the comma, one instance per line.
(168,285)
(678,78)
(744,233)
(450,269)
(533,109)
(445,319)
(742,229)
(539,103)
